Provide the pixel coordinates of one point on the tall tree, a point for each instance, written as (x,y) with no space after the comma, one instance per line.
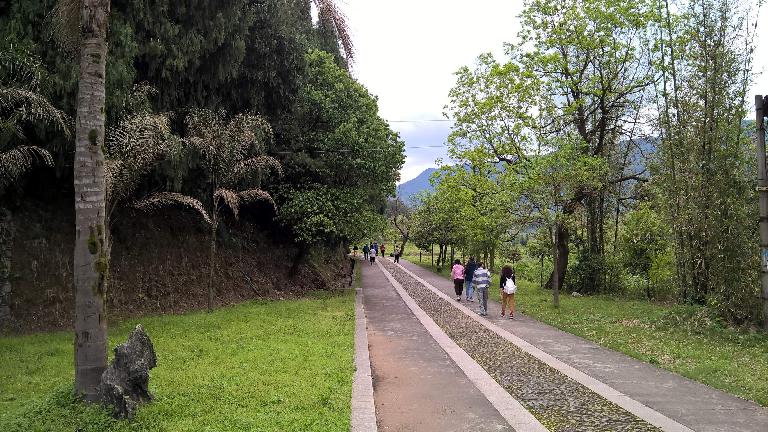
(85,24)
(705,172)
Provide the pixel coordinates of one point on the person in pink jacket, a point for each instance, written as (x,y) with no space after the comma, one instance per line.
(457,274)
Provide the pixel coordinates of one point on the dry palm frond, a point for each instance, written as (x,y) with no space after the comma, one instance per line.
(255,166)
(16,162)
(167,199)
(29,106)
(251,132)
(21,75)
(253,195)
(330,14)
(230,198)
(65,24)
(133,147)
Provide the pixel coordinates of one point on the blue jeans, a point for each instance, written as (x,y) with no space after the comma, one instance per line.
(482,298)
(468,288)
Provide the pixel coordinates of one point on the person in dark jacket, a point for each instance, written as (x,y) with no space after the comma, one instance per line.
(469,271)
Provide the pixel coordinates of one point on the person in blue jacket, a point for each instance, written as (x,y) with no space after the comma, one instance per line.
(469,271)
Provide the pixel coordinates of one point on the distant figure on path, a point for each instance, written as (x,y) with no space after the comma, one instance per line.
(382,250)
(457,274)
(376,247)
(482,280)
(507,289)
(352,262)
(398,252)
(372,255)
(366,249)
(469,271)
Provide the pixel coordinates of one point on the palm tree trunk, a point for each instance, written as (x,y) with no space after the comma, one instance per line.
(91,252)
(6,245)
(212,265)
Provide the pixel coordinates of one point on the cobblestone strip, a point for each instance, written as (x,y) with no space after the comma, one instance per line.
(510,409)
(556,400)
(363,417)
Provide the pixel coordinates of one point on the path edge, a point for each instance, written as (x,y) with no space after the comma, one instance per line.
(640,410)
(363,413)
(510,409)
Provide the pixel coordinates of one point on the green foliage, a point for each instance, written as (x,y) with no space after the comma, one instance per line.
(335,147)
(219,371)
(705,170)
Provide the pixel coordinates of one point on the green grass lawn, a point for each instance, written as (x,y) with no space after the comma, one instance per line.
(261,366)
(732,360)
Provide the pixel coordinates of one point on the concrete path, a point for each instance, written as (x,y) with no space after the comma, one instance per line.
(417,387)
(692,404)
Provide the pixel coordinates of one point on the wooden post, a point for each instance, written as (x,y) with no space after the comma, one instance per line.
(761,110)
(433,255)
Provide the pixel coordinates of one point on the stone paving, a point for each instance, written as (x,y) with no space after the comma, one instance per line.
(557,401)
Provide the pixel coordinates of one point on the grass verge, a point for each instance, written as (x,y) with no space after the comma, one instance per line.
(671,337)
(261,366)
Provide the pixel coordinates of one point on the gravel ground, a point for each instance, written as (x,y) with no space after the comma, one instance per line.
(558,402)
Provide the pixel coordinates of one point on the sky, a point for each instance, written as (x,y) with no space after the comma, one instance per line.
(408,51)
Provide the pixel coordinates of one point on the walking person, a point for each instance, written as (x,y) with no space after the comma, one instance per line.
(457,274)
(482,280)
(469,271)
(398,252)
(508,288)
(366,249)
(382,250)
(376,247)
(372,255)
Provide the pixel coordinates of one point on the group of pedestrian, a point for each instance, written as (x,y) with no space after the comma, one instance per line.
(474,278)
(373,249)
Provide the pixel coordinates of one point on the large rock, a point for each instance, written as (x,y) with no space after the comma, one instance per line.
(125,383)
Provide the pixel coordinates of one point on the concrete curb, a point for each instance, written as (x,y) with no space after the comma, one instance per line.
(363,416)
(642,411)
(509,408)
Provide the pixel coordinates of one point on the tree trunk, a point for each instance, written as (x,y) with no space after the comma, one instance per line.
(561,247)
(212,268)
(6,255)
(91,256)
(556,279)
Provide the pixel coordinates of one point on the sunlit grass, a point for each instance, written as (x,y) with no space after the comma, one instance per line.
(262,366)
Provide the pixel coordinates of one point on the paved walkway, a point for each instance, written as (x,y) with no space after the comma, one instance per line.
(697,406)
(417,387)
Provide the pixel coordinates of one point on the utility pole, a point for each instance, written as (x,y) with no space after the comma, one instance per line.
(761,110)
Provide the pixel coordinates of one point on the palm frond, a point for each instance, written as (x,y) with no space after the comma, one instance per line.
(253,195)
(30,106)
(330,14)
(161,200)
(255,166)
(251,132)
(18,161)
(230,198)
(65,24)
(133,147)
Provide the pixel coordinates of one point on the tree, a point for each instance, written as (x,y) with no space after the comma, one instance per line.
(21,104)
(704,178)
(644,237)
(232,164)
(340,158)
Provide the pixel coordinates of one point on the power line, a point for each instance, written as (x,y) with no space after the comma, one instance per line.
(349,150)
(421,120)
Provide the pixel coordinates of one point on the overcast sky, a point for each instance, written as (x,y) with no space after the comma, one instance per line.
(407,52)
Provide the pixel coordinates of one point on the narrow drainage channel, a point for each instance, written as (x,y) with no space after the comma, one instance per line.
(558,402)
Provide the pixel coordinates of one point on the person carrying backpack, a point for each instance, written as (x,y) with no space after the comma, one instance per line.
(507,288)
(366,249)
(469,271)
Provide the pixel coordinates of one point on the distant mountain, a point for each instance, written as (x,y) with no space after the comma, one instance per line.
(409,189)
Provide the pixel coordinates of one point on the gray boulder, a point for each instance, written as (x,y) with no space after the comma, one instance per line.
(125,383)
